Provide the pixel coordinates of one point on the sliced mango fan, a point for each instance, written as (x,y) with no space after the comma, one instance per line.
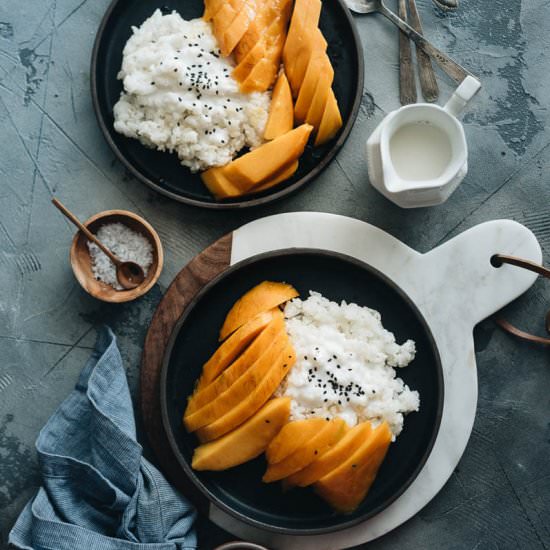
(275,42)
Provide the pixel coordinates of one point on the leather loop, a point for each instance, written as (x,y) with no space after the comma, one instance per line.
(498,260)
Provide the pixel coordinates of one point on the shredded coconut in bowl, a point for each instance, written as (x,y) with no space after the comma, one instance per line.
(345,365)
(126,244)
(179,95)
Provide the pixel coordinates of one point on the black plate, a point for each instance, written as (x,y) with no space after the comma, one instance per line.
(162,171)
(240,491)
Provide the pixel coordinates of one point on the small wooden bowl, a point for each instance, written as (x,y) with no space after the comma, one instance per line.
(82,264)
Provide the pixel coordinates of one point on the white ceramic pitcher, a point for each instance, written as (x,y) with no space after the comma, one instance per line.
(413,193)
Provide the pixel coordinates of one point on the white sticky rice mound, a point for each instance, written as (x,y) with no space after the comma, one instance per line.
(346,364)
(126,244)
(166,104)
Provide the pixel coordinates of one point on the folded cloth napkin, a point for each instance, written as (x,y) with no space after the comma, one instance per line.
(98,492)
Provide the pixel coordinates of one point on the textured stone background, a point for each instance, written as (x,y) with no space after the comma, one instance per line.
(499,496)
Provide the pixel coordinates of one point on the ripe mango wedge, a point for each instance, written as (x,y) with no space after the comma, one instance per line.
(244,410)
(240,389)
(336,455)
(291,437)
(281,112)
(247,441)
(264,162)
(228,376)
(263,297)
(306,453)
(347,485)
(233,346)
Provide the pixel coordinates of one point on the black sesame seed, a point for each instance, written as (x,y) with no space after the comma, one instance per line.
(316,451)
(354,465)
(267,421)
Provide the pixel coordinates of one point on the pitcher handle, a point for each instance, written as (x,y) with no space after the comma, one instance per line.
(463,94)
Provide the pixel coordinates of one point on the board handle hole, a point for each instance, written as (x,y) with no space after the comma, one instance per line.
(496,261)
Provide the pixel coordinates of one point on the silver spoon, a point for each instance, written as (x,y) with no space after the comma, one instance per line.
(446,4)
(452,68)
(129,274)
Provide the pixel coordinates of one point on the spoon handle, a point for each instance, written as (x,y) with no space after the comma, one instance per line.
(89,235)
(452,68)
(407,84)
(428,83)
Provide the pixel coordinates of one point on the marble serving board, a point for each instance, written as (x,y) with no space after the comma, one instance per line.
(454,286)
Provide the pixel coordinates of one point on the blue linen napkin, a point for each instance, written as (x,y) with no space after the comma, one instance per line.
(98,492)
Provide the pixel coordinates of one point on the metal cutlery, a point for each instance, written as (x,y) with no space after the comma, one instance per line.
(428,83)
(452,68)
(407,83)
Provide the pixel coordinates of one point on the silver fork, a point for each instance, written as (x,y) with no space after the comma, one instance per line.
(452,68)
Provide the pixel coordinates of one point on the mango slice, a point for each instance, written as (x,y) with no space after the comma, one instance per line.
(248,62)
(223,20)
(261,298)
(293,435)
(237,29)
(242,412)
(228,376)
(281,112)
(283,176)
(211,7)
(307,452)
(247,441)
(233,346)
(313,43)
(317,65)
(264,163)
(239,390)
(260,78)
(217,183)
(320,97)
(266,13)
(334,456)
(264,73)
(331,121)
(304,16)
(346,486)
(260,166)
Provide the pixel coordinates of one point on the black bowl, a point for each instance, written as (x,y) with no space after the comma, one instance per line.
(162,171)
(240,491)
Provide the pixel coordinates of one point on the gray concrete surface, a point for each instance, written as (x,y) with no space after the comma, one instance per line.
(499,496)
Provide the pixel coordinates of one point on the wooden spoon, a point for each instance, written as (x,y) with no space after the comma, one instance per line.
(129,274)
